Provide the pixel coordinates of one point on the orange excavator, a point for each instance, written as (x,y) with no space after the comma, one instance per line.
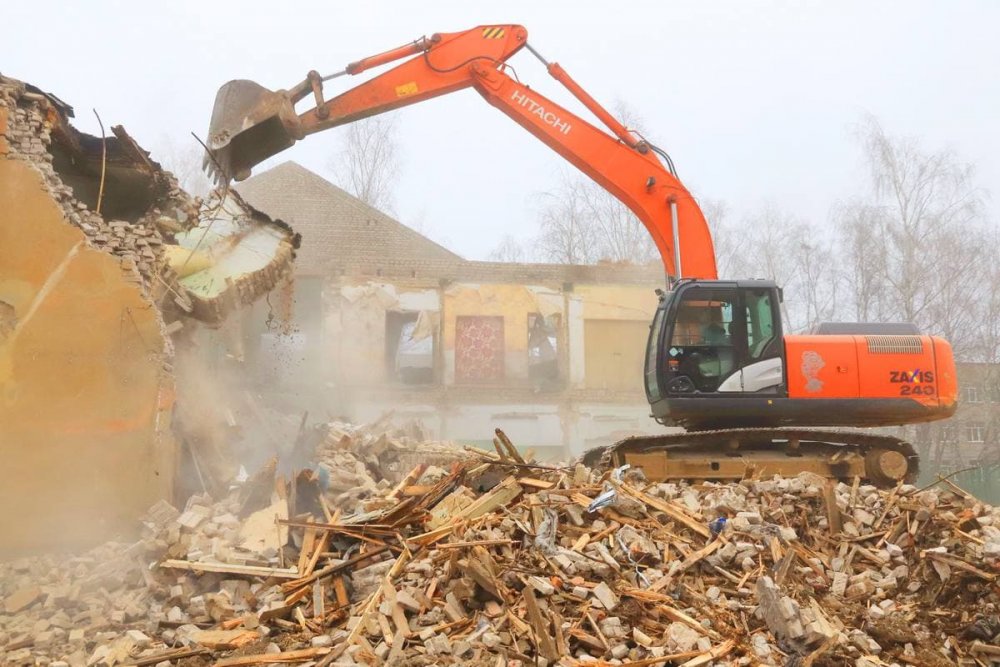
(717,362)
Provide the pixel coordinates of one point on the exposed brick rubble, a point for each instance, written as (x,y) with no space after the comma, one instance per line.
(38,131)
(35,121)
(362,461)
(428,568)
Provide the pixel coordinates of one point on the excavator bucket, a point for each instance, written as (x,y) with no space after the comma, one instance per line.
(249,124)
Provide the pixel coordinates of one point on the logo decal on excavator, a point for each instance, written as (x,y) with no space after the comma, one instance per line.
(913,383)
(812,364)
(537,109)
(407,89)
(911,376)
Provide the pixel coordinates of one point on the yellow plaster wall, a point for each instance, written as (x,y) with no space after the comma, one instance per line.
(85,444)
(616,302)
(512,302)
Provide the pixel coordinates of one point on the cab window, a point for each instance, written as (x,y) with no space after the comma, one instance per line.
(760,322)
(653,355)
(702,343)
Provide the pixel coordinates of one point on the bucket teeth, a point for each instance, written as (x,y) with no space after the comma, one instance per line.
(249,124)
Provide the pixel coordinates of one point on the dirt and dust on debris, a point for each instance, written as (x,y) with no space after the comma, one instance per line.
(386,549)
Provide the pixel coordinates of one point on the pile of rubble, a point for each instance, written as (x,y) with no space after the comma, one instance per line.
(492,559)
(359,461)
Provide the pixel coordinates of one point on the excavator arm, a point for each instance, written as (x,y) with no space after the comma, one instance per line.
(250,123)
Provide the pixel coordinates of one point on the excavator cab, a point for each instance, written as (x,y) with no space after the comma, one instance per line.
(717,358)
(712,342)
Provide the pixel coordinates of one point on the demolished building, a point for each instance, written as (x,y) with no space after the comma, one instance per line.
(104,262)
(388,319)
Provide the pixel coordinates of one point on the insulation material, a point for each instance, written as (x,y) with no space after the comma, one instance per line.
(240,255)
(391,298)
(550,302)
(427,324)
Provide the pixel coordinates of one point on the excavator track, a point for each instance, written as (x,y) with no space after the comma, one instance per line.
(730,454)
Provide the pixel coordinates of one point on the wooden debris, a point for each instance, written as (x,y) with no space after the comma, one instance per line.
(424,567)
(225,639)
(231,568)
(540,626)
(300,655)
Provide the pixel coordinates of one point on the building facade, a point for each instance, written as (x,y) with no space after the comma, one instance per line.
(387,320)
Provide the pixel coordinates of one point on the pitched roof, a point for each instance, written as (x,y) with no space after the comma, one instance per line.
(343,235)
(339,231)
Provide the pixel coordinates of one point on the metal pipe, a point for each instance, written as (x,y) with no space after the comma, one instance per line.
(560,75)
(674,226)
(536,54)
(329,77)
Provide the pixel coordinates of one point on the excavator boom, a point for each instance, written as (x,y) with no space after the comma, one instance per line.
(250,124)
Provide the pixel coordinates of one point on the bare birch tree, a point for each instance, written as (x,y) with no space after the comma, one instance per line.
(508,250)
(184,160)
(368,164)
(725,238)
(816,289)
(582,223)
(988,345)
(915,244)
(566,233)
(862,262)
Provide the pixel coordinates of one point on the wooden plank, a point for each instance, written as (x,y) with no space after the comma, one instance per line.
(482,576)
(324,541)
(333,569)
(672,510)
(959,564)
(300,655)
(509,446)
(562,646)
(501,495)
(340,590)
(714,654)
(536,483)
(893,499)
(409,480)
(691,559)
(225,639)
(399,618)
(386,628)
(231,568)
(833,517)
(543,635)
(475,543)
(308,544)
(591,641)
(174,654)
(373,601)
(681,617)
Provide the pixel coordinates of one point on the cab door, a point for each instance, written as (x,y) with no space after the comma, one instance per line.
(761,366)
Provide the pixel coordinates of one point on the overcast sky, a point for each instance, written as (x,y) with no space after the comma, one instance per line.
(755,101)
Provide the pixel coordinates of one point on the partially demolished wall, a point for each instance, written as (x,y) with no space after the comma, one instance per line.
(88,303)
